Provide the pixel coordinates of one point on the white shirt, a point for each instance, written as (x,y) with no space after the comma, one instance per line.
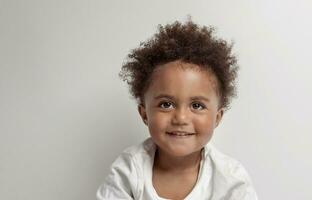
(220,177)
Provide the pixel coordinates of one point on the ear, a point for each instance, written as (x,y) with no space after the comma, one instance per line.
(219,116)
(142,112)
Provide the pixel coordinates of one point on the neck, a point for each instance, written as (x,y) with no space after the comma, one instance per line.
(166,162)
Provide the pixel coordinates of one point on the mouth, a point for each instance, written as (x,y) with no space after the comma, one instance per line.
(180,134)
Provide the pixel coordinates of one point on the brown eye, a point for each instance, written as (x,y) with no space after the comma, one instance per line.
(166,105)
(198,106)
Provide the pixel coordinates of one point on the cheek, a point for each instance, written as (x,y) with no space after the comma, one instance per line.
(204,125)
(158,122)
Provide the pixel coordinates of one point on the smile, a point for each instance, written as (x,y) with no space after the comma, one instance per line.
(179,134)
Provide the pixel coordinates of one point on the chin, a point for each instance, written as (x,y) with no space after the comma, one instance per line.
(181,152)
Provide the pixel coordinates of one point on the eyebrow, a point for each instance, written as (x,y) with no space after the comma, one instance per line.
(200,98)
(172,97)
(164,96)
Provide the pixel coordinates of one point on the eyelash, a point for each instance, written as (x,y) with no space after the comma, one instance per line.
(162,103)
(200,104)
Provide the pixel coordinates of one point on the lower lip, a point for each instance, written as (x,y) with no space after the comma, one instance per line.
(179,136)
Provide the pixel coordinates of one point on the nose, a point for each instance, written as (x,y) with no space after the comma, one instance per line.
(180,117)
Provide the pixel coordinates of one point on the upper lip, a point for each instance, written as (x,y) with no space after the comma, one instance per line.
(180,132)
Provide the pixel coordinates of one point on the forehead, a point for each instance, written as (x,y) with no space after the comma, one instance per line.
(182,79)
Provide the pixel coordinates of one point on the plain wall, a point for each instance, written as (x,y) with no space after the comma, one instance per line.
(65,115)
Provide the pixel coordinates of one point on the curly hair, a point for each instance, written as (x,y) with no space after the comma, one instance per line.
(189,43)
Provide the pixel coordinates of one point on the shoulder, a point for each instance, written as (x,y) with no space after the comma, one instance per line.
(225,164)
(134,155)
(230,177)
(125,172)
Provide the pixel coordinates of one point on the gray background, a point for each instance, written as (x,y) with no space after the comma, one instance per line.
(65,115)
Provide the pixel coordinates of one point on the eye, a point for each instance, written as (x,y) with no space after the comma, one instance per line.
(198,106)
(166,105)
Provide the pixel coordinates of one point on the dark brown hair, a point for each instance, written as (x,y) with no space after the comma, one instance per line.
(189,43)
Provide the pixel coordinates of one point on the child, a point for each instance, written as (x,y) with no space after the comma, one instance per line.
(183,80)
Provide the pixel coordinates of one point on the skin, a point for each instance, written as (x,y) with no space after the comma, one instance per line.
(181,110)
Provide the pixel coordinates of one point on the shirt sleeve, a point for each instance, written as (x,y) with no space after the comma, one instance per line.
(244,190)
(121,181)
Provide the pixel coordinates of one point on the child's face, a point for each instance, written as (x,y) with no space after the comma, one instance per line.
(181,108)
